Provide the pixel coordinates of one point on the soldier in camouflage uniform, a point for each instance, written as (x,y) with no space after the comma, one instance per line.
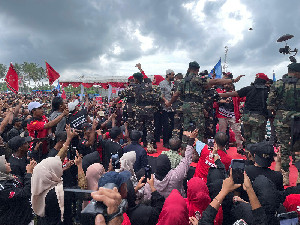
(129,107)
(177,107)
(284,103)
(146,99)
(191,91)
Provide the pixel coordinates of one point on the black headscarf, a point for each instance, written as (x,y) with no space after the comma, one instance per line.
(163,166)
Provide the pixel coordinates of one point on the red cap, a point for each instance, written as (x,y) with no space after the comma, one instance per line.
(262,76)
(292,203)
(120,101)
(130,78)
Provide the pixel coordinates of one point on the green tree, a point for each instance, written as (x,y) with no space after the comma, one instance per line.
(3,70)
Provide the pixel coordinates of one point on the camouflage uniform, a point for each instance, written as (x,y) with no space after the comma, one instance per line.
(284,100)
(146,100)
(191,92)
(128,93)
(254,120)
(178,116)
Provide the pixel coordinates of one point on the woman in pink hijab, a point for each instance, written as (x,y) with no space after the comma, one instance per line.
(93,174)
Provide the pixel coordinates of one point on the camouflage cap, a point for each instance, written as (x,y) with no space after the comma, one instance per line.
(194,64)
(138,76)
(294,66)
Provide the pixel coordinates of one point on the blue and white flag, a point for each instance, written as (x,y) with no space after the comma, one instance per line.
(218,70)
(58,86)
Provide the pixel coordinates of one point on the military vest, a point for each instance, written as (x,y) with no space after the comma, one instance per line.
(289,93)
(192,88)
(143,94)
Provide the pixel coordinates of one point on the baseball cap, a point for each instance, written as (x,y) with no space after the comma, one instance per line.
(34,105)
(262,76)
(115,178)
(169,71)
(263,153)
(17,141)
(72,105)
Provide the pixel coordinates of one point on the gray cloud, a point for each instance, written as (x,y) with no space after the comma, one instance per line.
(72,34)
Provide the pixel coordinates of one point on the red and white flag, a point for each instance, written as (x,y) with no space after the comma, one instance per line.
(63,95)
(52,74)
(12,80)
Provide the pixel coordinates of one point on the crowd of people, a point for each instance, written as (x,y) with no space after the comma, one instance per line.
(66,161)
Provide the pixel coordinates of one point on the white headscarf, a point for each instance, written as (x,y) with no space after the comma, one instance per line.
(127,162)
(3,173)
(46,176)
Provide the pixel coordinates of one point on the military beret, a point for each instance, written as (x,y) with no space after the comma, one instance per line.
(194,65)
(138,76)
(294,66)
(262,76)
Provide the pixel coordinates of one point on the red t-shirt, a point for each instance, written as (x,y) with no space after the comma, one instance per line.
(206,161)
(36,130)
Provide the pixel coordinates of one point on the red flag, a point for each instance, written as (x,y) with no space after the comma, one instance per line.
(63,95)
(52,74)
(12,80)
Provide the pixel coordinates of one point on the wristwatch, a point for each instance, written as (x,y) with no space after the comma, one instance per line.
(121,209)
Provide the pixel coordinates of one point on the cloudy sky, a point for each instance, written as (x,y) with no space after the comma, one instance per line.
(108,37)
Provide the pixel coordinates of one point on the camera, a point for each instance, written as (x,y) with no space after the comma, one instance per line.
(94,208)
(286,50)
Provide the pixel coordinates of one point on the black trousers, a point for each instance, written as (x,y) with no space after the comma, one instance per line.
(157,125)
(167,125)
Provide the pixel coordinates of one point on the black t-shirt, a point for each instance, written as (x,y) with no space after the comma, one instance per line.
(18,166)
(109,148)
(254,171)
(256,98)
(274,176)
(77,119)
(83,149)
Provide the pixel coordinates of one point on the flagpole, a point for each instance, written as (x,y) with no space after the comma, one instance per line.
(225,66)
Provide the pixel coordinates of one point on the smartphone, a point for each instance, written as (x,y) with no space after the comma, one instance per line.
(115,161)
(290,218)
(238,167)
(210,143)
(148,172)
